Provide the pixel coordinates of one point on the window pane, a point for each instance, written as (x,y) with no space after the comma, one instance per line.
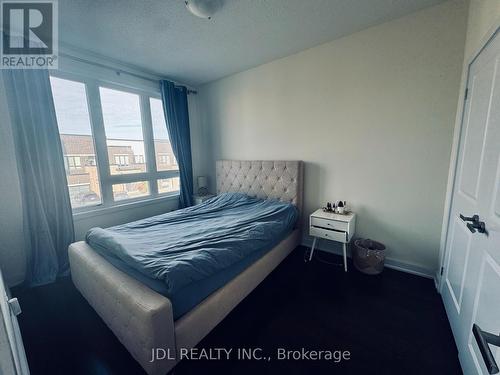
(130,190)
(70,101)
(165,159)
(122,123)
(168,185)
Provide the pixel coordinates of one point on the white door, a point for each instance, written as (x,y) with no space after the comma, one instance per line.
(471,290)
(12,355)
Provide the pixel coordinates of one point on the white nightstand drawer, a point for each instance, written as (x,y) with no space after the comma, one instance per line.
(331,224)
(328,234)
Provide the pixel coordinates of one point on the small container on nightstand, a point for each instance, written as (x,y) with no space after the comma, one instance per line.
(333,227)
(197,199)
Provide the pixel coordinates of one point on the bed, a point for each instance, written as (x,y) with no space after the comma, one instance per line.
(144,318)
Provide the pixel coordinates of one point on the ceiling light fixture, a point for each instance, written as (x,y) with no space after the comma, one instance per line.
(203,8)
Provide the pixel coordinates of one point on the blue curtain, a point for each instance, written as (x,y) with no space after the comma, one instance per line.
(175,107)
(47,217)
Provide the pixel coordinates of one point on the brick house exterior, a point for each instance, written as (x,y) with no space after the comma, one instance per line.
(81,165)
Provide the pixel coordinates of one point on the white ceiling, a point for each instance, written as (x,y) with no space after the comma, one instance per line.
(161,36)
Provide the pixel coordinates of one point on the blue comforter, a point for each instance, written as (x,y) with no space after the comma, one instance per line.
(188,245)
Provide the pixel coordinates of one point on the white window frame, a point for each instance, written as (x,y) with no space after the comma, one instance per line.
(106,179)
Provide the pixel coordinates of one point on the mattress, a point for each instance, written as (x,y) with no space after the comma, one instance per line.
(188,254)
(191,295)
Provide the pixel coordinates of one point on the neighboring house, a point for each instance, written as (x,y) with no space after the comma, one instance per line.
(81,166)
(165,159)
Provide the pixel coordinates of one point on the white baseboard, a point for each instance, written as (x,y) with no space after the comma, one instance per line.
(392,263)
(436,283)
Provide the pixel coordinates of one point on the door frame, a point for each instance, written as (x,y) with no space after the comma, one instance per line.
(455,148)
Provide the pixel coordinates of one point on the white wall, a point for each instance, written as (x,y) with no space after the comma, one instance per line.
(372,116)
(483,15)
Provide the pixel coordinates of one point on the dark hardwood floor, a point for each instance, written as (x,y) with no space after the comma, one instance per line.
(393,323)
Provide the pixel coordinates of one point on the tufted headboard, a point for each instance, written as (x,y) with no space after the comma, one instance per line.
(278,179)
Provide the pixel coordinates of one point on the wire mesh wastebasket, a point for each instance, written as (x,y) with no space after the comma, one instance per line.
(369,256)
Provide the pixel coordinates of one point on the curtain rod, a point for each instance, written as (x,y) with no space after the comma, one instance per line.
(122,71)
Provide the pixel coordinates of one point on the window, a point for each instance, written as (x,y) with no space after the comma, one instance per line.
(130,190)
(121,160)
(165,159)
(116,136)
(168,185)
(70,101)
(122,122)
(90,160)
(73,162)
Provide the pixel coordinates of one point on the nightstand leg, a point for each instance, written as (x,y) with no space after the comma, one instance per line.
(312,249)
(345,257)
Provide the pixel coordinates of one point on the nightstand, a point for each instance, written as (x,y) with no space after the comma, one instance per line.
(197,199)
(332,227)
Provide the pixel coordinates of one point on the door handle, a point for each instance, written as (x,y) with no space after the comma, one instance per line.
(474,218)
(475,224)
(483,339)
(480,226)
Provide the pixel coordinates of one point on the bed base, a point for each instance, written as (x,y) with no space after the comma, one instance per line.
(142,319)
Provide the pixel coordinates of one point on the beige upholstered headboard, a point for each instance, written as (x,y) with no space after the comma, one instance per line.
(277,179)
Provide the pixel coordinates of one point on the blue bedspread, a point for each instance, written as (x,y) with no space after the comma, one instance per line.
(185,246)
